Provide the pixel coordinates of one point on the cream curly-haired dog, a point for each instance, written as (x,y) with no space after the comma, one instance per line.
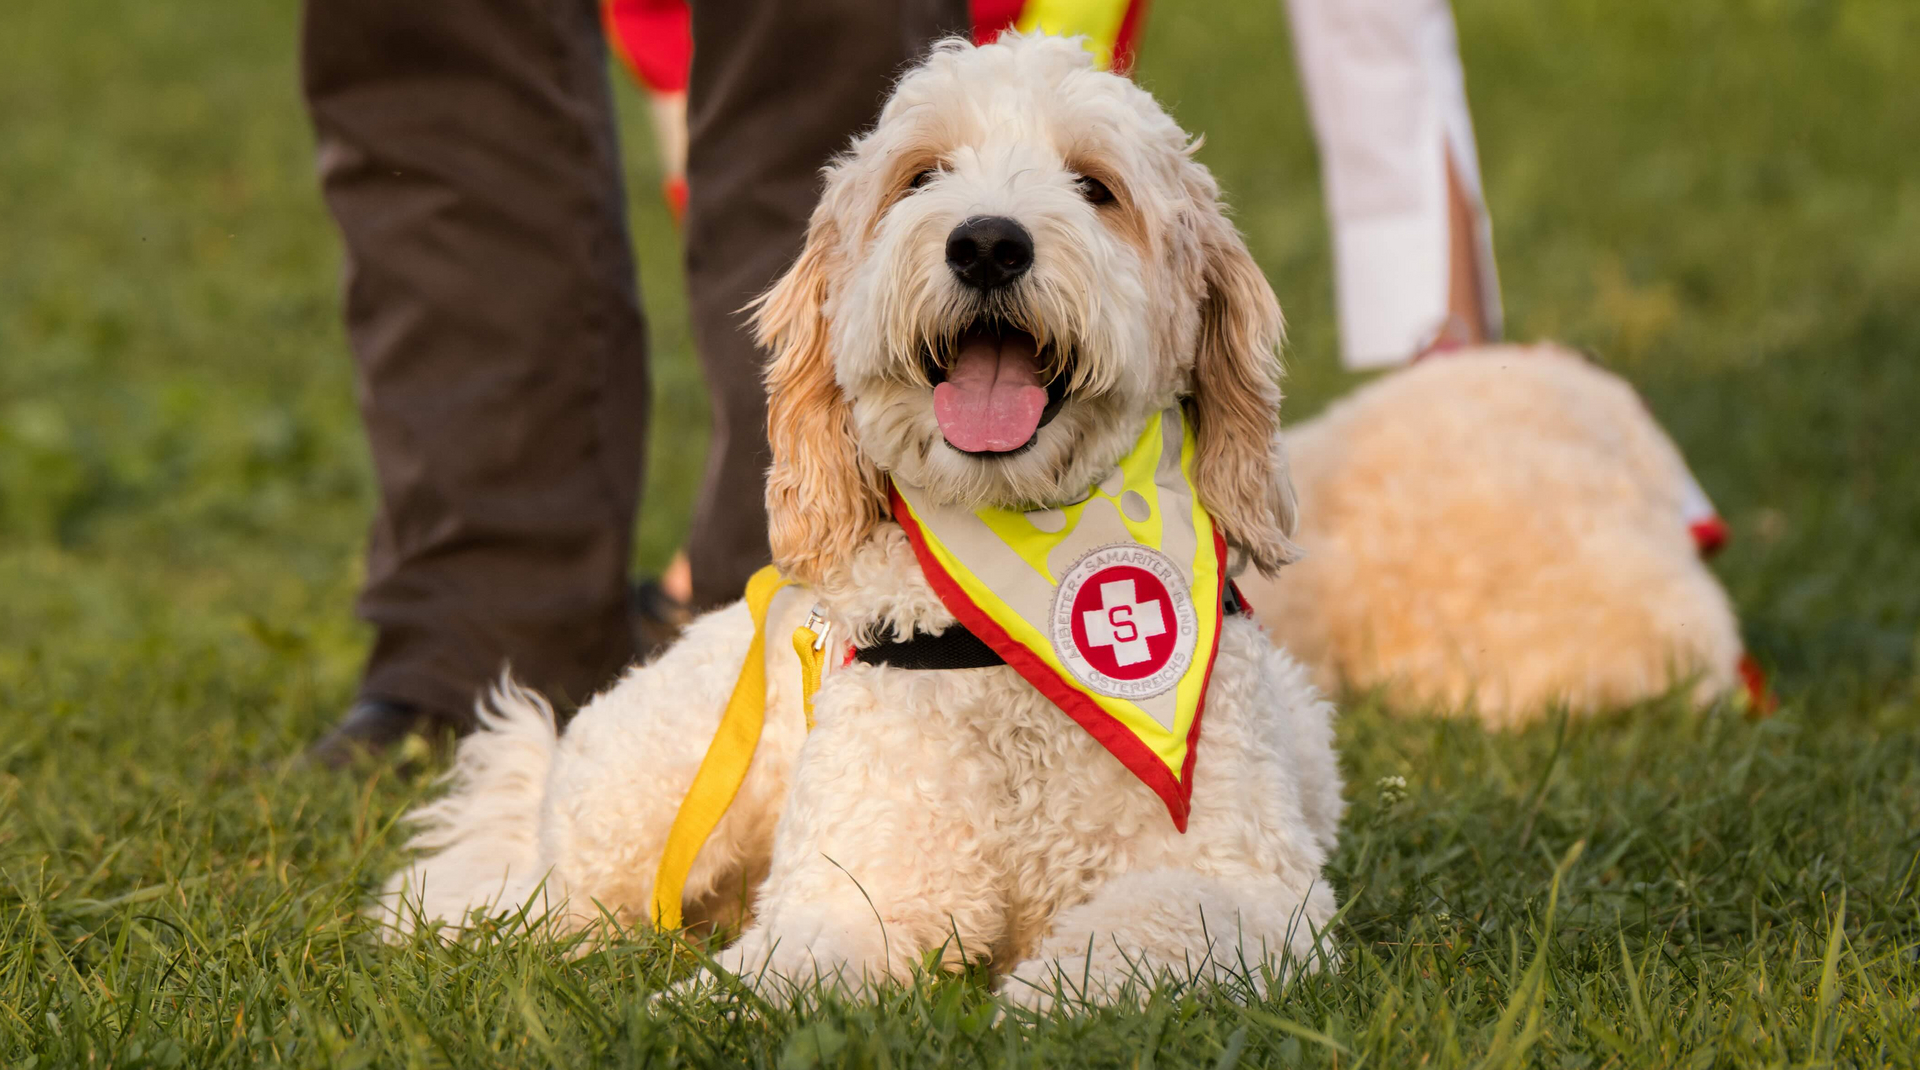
(1496,531)
(955,813)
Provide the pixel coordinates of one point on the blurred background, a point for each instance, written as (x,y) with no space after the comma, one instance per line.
(1719,200)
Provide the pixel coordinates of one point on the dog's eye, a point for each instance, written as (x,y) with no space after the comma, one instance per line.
(923,178)
(1094,190)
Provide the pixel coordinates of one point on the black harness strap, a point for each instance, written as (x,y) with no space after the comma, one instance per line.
(958,648)
(955,648)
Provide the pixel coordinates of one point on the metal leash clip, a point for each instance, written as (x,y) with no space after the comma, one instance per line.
(819,625)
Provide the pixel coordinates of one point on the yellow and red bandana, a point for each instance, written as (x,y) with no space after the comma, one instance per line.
(1109,606)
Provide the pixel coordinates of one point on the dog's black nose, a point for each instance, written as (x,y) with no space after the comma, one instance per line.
(989,251)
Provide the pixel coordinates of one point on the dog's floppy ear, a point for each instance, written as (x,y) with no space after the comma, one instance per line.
(823,497)
(1241,471)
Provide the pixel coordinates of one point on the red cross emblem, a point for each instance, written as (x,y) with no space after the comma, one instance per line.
(1123,622)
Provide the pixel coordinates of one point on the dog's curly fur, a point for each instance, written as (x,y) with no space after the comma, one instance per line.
(953,816)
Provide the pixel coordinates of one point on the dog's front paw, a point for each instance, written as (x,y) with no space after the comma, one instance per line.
(1041,984)
(813,950)
(751,958)
(702,985)
(741,964)
(1032,988)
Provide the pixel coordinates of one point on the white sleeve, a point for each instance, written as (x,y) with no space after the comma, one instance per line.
(1389,105)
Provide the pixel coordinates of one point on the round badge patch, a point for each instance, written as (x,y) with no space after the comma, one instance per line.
(1123,621)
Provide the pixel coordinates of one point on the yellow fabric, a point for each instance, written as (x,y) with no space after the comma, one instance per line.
(1099,21)
(725,766)
(1034,546)
(813,655)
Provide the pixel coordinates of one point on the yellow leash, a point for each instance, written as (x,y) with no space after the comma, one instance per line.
(725,766)
(811,645)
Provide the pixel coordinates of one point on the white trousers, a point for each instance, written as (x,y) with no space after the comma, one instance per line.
(1389,108)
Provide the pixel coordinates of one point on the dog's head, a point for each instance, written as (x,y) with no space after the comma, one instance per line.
(1003,282)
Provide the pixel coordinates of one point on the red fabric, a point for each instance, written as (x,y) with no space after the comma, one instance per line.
(674,189)
(1709,535)
(1755,679)
(1101,725)
(991,18)
(1241,597)
(655,38)
(1130,24)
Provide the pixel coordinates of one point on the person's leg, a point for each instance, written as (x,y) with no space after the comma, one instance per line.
(778,87)
(1470,319)
(467,152)
(1412,248)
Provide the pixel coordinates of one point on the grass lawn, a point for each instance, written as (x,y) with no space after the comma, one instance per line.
(1720,200)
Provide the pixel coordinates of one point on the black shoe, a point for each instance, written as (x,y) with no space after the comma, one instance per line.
(658,618)
(371,728)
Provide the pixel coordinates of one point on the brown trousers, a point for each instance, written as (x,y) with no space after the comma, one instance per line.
(467,152)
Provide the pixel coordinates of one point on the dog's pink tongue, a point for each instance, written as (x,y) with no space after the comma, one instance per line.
(992,399)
